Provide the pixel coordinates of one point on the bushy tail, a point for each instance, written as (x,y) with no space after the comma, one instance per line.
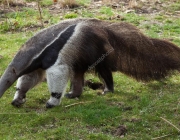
(144,58)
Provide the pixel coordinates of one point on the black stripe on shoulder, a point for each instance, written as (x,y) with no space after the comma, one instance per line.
(49,56)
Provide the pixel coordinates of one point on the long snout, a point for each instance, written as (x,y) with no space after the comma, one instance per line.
(7,79)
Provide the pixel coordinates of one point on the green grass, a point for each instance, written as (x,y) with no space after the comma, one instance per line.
(70,15)
(136,105)
(106,10)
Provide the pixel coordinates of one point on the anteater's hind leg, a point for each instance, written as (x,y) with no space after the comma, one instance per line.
(57,78)
(77,84)
(25,83)
(106,75)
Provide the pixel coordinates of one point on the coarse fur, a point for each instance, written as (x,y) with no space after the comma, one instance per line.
(71,48)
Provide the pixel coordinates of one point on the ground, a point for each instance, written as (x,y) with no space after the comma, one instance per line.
(135,110)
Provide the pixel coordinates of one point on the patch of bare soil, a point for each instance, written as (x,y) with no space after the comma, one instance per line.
(127,6)
(121,131)
(137,6)
(93,85)
(12,6)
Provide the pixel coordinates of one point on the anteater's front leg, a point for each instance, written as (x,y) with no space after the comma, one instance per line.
(25,83)
(77,84)
(57,78)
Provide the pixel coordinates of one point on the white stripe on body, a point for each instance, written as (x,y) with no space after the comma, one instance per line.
(51,42)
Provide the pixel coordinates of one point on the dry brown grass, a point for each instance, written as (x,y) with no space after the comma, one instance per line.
(109,1)
(12,2)
(133,4)
(69,3)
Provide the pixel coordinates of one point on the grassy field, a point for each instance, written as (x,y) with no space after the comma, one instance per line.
(135,111)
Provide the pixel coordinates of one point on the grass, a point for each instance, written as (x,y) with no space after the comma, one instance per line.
(138,106)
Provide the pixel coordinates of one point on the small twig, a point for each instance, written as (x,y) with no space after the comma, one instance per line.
(169,134)
(171,124)
(161,137)
(77,104)
(7,3)
(39,9)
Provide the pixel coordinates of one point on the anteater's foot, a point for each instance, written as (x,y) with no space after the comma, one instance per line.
(71,96)
(18,103)
(107,91)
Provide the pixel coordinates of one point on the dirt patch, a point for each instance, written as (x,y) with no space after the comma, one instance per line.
(121,131)
(93,85)
(127,6)
(127,108)
(139,7)
(12,6)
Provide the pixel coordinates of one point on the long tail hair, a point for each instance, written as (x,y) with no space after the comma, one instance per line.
(141,57)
